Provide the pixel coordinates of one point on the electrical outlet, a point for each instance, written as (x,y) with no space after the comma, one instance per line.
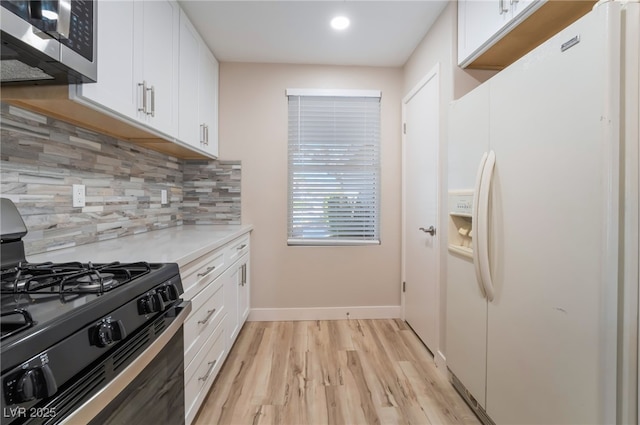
(164,196)
(79,197)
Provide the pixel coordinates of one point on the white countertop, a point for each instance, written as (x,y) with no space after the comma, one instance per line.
(181,244)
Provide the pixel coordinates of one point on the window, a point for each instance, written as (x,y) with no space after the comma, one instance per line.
(334,167)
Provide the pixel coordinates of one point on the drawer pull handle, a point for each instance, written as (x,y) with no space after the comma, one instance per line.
(206,319)
(241,247)
(211,366)
(209,270)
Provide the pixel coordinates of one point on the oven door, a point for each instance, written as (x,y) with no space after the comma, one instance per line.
(149,391)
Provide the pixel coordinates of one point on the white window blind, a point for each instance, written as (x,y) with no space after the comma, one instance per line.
(334,168)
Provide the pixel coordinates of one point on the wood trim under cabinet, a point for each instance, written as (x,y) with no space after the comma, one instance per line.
(544,23)
(53,101)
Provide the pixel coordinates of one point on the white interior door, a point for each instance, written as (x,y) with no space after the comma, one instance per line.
(420,209)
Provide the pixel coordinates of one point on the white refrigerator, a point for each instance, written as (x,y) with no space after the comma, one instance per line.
(539,329)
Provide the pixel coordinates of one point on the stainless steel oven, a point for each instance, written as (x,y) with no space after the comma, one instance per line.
(88,343)
(149,391)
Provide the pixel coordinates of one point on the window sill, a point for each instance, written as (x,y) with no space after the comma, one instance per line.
(331,242)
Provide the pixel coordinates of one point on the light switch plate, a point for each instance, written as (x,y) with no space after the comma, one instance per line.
(79,197)
(164,196)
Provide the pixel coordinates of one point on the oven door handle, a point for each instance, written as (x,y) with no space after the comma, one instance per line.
(90,409)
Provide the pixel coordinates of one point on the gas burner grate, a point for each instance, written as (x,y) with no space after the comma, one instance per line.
(13,322)
(69,278)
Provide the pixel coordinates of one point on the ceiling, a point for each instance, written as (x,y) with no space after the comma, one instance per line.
(382,33)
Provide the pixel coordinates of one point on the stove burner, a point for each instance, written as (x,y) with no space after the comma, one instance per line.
(66,278)
(48,289)
(95,281)
(18,284)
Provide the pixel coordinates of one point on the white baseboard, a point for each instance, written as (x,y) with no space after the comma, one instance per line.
(324,313)
(441,363)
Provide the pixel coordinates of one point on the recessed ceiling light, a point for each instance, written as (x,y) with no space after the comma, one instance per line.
(339,22)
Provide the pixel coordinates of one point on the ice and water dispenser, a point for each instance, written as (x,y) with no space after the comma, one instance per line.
(460,223)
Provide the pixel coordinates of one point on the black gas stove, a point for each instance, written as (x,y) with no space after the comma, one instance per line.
(69,329)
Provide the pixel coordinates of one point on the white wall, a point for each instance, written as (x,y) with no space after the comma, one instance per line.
(440,46)
(253,129)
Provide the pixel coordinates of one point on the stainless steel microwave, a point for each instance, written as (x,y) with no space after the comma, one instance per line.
(48,41)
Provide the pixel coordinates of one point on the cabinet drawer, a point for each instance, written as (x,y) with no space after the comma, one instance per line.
(200,374)
(237,249)
(208,309)
(197,274)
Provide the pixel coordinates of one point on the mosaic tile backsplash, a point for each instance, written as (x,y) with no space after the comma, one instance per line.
(41,158)
(211,192)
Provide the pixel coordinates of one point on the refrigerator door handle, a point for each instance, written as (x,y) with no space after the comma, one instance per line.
(483,224)
(475,219)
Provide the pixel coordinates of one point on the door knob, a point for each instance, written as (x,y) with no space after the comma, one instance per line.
(431,230)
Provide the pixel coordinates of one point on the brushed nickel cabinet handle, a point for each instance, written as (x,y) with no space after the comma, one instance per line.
(501,5)
(143,85)
(206,319)
(153,101)
(151,92)
(211,366)
(209,270)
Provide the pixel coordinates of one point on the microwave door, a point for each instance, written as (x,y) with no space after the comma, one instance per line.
(22,59)
(48,42)
(21,29)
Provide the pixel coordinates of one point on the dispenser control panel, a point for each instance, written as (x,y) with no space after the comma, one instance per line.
(461,203)
(461,223)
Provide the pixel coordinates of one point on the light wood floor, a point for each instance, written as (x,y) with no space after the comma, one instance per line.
(331,372)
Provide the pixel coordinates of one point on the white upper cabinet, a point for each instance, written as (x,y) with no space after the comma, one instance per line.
(137,63)
(481,23)
(521,7)
(208,99)
(156,72)
(116,88)
(198,112)
(188,119)
(158,79)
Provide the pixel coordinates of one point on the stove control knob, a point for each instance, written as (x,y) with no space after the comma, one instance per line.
(169,292)
(151,303)
(36,383)
(106,333)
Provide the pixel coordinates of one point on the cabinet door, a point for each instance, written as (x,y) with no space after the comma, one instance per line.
(231,293)
(520,8)
(189,123)
(481,23)
(159,53)
(244,292)
(116,87)
(208,99)
(478,22)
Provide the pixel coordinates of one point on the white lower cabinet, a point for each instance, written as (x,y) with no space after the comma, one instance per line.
(237,298)
(201,372)
(217,283)
(207,313)
(244,300)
